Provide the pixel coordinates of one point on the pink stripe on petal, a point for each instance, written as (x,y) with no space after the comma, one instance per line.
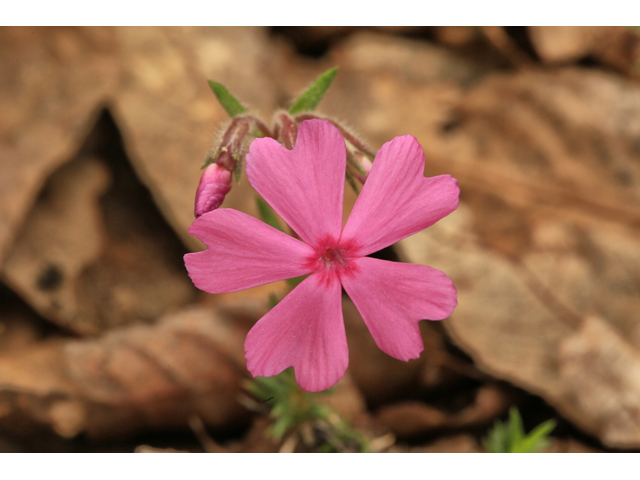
(397,200)
(304,331)
(304,185)
(393,297)
(242,252)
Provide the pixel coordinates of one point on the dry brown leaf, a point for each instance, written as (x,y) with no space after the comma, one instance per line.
(538,251)
(618,47)
(189,363)
(150,449)
(456,36)
(380,377)
(64,233)
(505,44)
(154,80)
(168,115)
(565,44)
(569,445)
(19,325)
(463,443)
(600,372)
(89,258)
(547,230)
(50,94)
(411,419)
(409,60)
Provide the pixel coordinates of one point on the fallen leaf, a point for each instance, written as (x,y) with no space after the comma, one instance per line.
(380,377)
(537,251)
(547,230)
(600,373)
(168,115)
(462,443)
(59,239)
(569,445)
(413,419)
(139,377)
(565,44)
(617,47)
(94,252)
(50,95)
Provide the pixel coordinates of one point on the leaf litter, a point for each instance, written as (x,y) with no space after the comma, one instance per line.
(110,341)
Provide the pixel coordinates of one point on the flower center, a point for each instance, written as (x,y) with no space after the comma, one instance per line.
(333,258)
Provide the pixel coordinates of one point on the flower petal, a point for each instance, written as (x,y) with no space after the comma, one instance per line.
(304,185)
(393,297)
(243,252)
(304,331)
(397,200)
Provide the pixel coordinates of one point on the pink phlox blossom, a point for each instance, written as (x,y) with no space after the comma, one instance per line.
(305,187)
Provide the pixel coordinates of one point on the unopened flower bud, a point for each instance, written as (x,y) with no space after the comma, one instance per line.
(214,185)
(359,164)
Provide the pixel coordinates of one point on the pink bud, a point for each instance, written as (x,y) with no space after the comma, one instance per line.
(214,185)
(360,165)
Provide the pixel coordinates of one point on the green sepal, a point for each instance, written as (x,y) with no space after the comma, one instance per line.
(309,100)
(228,101)
(237,170)
(257,133)
(209,160)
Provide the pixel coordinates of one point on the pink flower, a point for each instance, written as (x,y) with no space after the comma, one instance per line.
(305,186)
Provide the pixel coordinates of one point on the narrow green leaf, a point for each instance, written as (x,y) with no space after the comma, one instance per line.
(280,427)
(510,437)
(267,214)
(497,441)
(309,100)
(536,440)
(543,429)
(228,101)
(516,430)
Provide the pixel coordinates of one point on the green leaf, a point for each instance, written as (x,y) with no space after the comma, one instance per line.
(509,437)
(280,427)
(516,430)
(228,101)
(498,439)
(309,100)
(537,439)
(267,214)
